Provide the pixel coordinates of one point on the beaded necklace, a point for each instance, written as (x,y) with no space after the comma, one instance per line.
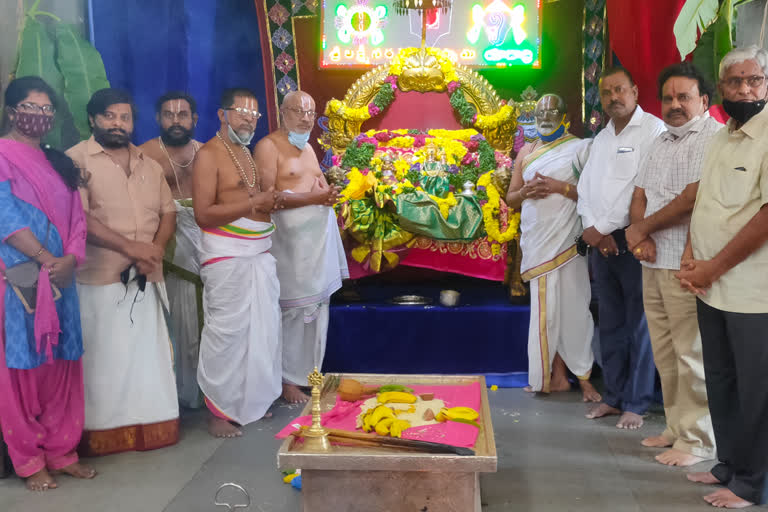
(255,176)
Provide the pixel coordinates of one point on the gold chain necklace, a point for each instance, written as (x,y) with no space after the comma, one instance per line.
(174,162)
(240,167)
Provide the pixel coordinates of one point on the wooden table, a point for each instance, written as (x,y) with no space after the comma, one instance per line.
(353,479)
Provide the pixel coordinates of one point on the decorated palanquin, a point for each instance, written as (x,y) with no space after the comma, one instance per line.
(421,148)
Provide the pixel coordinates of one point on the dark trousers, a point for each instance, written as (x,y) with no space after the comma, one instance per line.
(735,349)
(625,346)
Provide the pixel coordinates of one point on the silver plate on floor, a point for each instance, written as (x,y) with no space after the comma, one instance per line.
(411,300)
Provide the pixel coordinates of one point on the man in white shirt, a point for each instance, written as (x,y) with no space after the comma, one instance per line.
(725,263)
(605,192)
(665,190)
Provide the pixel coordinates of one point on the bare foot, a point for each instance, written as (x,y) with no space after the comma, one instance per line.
(703,477)
(218,427)
(78,470)
(528,389)
(630,421)
(656,442)
(588,392)
(674,457)
(557,386)
(292,394)
(724,498)
(601,410)
(41,481)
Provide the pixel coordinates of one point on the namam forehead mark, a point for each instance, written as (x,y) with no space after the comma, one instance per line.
(176,106)
(247,102)
(548,103)
(299,99)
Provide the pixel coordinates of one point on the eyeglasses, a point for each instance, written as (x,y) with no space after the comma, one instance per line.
(172,116)
(543,114)
(245,112)
(34,108)
(301,113)
(753,81)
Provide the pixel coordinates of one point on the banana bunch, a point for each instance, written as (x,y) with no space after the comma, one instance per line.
(397,397)
(382,419)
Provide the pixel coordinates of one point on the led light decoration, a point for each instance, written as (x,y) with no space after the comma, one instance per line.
(497,19)
(360,23)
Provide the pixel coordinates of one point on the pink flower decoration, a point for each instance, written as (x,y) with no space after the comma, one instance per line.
(383,136)
(392,79)
(336,160)
(472,145)
(419,140)
(474,118)
(373,109)
(364,172)
(453,86)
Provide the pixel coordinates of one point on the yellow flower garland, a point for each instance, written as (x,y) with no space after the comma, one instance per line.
(359,184)
(464,135)
(505,114)
(444,203)
(491,212)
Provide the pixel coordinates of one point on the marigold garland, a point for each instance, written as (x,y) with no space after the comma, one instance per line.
(491,212)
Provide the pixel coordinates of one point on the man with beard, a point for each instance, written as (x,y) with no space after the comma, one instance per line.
(543,188)
(130,396)
(239,367)
(665,190)
(724,264)
(175,151)
(310,258)
(605,192)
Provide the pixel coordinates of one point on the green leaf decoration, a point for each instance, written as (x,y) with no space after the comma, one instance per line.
(83,73)
(694,18)
(713,44)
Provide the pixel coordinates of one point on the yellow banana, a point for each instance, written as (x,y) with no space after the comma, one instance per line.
(381,412)
(382,427)
(397,427)
(460,413)
(400,397)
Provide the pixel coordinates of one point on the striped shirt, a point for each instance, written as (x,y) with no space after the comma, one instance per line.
(672,164)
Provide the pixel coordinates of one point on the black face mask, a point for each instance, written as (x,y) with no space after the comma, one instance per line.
(743,111)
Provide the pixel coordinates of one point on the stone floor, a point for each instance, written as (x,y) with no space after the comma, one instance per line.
(550,459)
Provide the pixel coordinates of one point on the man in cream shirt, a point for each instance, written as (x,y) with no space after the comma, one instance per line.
(725,263)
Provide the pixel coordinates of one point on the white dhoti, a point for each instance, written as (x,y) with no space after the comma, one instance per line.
(311,264)
(561,322)
(240,358)
(127,368)
(184,298)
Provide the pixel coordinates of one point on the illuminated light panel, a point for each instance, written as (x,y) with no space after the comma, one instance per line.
(476,33)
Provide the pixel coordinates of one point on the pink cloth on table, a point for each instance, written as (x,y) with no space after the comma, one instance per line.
(343,416)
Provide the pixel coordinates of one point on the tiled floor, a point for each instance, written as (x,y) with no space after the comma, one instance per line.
(550,459)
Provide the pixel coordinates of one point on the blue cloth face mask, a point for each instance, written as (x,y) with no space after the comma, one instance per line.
(298,139)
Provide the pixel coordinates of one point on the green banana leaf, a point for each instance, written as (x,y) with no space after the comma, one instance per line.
(83,73)
(714,43)
(37,56)
(694,18)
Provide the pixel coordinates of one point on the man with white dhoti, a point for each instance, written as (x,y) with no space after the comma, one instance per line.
(310,258)
(543,185)
(130,393)
(239,370)
(175,150)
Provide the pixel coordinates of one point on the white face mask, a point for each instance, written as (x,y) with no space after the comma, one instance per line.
(244,139)
(679,131)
